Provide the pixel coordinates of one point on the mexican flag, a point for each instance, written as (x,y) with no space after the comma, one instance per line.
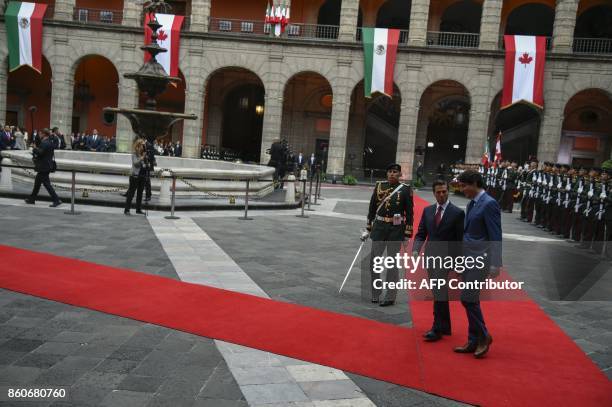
(168,37)
(24,34)
(524,70)
(485,156)
(498,153)
(380,50)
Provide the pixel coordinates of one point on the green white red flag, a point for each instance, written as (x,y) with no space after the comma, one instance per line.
(24,34)
(380,52)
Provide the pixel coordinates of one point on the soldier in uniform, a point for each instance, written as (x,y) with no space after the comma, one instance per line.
(390,218)
(541,194)
(579,194)
(554,212)
(567,202)
(528,184)
(599,207)
(608,218)
(592,202)
(509,180)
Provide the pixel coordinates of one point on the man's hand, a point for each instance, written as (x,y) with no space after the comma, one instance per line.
(369,227)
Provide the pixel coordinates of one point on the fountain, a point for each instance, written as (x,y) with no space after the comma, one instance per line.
(104,171)
(151,79)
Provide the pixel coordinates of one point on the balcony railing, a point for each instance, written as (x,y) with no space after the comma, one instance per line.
(403,37)
(90,15)
(185,27)
(260,28)
(444,39)
(593,45)
(502,45)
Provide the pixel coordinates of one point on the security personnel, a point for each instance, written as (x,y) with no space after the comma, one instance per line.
(532,181)
(390,218)
(608,218)
(603,189)
(509,183)
(542,194)
(579,193)
(554,211)
(592,202)
(527,185)
(567,202)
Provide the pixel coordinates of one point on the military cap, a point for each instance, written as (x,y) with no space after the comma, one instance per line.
(566,166)
(394,166)
(596,169)
(608,171)
(557,165)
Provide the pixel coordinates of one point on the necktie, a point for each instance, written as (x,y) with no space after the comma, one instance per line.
(438,216)
(469,208)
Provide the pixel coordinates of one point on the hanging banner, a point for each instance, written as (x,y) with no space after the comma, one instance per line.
(24,34)
(168,37)
(524,70)
(380,51)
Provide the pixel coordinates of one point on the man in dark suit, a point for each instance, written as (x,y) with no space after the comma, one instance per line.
(93,141)
(482,236)
(442,226)
(44,163)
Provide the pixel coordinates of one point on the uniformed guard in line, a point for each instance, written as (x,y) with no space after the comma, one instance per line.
(390,219)
(509,180)
(579,194)
(608,218)
(531,184)
(592,203)
(567,202)
(599,207)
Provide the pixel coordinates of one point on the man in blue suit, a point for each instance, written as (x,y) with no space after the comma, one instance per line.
(442,226)
(482,236)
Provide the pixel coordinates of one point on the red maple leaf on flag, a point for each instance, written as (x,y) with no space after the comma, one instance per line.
(525,59)
(161,36)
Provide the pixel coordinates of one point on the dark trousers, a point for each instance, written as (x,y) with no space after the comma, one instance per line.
(441,310)
(470,298)
(385,236)
(530,208)
(599,235)
(507,200)
(608,233)
(577,224)
(588,229)
(524,204)
(566,221)
(43,178)
(137,186)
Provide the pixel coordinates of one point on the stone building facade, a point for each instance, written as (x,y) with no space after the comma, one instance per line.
(336,65)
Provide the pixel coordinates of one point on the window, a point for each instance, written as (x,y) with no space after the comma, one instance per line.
(246,27)
(225,25)
(106,16)
(83,15)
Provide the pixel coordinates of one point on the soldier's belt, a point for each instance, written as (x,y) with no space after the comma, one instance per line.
(385,219)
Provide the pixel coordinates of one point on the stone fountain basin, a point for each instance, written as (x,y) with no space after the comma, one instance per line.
(105,171)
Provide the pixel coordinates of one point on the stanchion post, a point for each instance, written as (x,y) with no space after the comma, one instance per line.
(72,196)
(172,200)
(310,195)
(301,215)
(371,176)
(319,191)
(246,203)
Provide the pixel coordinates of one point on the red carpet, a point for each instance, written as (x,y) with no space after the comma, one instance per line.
(532,362)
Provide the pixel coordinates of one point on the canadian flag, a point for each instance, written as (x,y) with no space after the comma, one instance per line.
(168,37)
(524,70)
(498,153)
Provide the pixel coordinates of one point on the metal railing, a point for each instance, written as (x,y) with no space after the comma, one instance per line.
(90,15)
(260,28)
(403,37)
(593,45)
(502,45)
(185,27)
(452,39)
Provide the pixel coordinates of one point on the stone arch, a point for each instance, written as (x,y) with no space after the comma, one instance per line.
(587,128)
(461,16)
(373,130)
(28,98)
(306,114)
(95,86)
(528,17)
(442,126)
(233,90)
(394,14)
(222,60)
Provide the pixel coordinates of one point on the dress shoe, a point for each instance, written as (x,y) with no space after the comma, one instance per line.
(29,201)
(432,336)
(127,213)
(140,213)
(55,204)
(147,199)
(469,347)
(386,303)
(483,347)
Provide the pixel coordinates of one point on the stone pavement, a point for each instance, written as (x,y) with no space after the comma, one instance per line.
(115,361)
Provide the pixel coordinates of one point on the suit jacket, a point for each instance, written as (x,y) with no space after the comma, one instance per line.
(5,140)
(482,233)
(44,156)
(449,232)
(93,144)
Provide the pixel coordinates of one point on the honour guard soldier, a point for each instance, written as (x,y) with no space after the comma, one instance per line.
(390,219)
(527,184)
(554,213)
(509,179)
(600,211)
(608,217)
(542,193)
(579,193)
(567,202)
(592,201)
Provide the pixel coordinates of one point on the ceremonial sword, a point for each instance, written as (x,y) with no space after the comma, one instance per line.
(364,236)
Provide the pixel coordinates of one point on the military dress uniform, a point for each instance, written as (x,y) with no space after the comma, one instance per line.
(389,226)
(565,218)
(580,193)
(589,214)
(608,220)
(509,181)
(603,190)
